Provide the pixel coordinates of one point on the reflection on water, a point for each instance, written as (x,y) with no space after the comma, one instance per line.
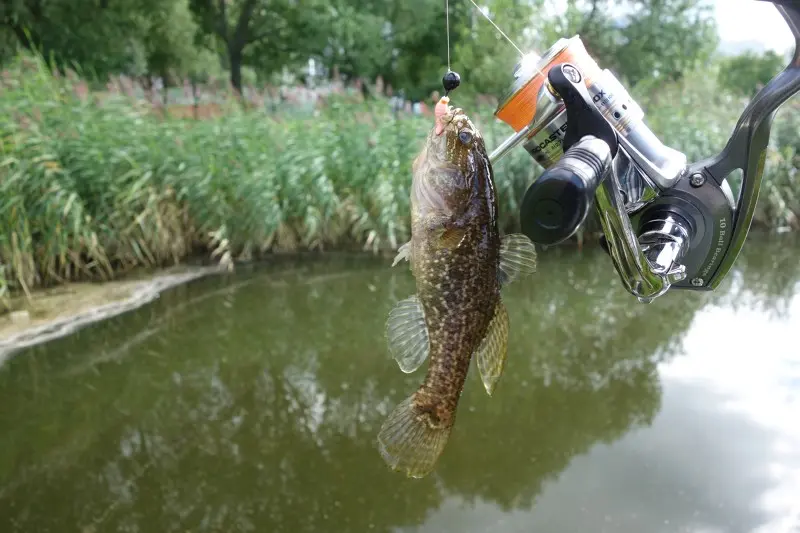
(251,404)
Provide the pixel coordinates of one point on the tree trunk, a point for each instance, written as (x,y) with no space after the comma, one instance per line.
(195,99)
(164,91)
(147,85)
(235,57)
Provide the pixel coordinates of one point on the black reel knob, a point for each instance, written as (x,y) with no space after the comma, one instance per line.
(556,204)
(450,81)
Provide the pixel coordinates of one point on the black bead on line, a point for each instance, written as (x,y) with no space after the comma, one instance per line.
(450,81)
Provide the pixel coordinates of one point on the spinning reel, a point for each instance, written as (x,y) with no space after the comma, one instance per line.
(666,223)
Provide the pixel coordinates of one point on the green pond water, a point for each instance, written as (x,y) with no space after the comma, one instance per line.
(251,403)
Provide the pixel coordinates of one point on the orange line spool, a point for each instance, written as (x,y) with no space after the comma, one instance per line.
(518,106)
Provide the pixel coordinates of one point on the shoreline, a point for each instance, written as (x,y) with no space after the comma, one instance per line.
(64,309)
(77,305)
(61,310)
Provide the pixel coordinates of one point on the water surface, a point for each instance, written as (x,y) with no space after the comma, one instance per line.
(251,403)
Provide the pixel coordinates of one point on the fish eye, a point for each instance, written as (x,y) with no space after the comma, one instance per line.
(465,137)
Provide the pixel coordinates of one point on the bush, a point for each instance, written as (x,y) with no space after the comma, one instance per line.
(93,186)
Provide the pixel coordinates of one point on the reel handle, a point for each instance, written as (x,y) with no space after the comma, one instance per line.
(556,204)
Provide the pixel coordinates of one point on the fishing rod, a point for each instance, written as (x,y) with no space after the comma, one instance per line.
(666,222)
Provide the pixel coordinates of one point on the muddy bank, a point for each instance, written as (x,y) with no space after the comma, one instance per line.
(61,311)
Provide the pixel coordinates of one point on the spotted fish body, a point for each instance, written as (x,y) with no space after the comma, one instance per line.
(460,264)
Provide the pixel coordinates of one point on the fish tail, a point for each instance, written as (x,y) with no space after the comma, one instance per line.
(411,441)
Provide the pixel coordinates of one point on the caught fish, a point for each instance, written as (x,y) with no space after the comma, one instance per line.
(460,264)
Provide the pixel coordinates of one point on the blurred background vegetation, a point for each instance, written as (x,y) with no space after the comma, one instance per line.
(140,132)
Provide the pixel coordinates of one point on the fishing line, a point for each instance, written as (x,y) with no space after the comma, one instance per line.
(497,28)
(447,19)
(451,79)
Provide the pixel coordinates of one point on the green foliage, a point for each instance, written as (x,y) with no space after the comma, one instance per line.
(746,73)
(98,36)
(101,38)
(265,34)
(168,39)
(403,41)
(92,187)
(657,40)
(483,56)
(354,42)
(420,42)
(692,116)
(697,118)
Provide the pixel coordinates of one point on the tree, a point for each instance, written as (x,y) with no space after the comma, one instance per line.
(419,44)
(746,73)
(100,36)
(135,37)
(354,40)
(484,56)
(666,38)
(658,40)
(168,39)
(403,41)
(280,29)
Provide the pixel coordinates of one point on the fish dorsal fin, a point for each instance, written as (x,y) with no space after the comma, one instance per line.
(407,334)
(491,353)
(517,258)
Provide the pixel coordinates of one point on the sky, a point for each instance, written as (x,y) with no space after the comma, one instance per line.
(752,24)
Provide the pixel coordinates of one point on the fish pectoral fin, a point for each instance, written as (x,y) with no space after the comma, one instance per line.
(446,230)
(491,353)
(451,237)
(410,442)
(404,252)
(407,334)
(517,258)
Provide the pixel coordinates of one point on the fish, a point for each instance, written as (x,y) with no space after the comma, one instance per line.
(460,263)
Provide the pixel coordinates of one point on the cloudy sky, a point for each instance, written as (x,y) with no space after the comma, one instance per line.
(752,24)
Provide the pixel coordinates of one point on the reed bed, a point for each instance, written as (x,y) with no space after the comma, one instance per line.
(92,187)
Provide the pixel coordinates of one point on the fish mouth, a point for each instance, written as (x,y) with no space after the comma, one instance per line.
(445,115)
(445,122)
(447,127)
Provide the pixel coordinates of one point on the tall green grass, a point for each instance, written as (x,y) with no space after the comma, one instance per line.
(92,187)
